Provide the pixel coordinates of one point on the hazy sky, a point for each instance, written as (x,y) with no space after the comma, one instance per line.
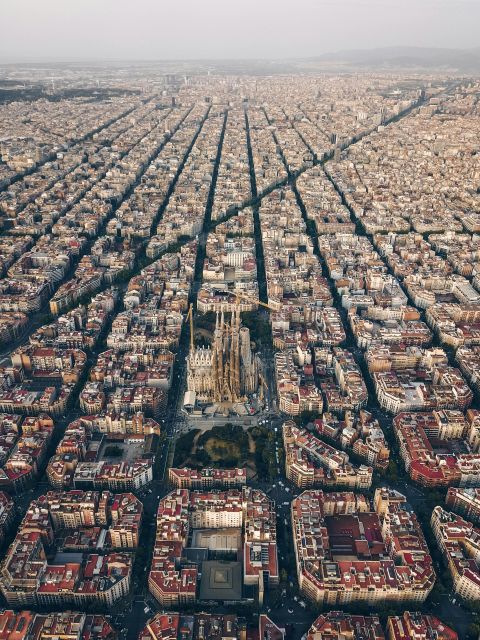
(173,29)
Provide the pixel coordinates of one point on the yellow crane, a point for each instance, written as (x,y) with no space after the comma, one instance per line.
(244,297)
(190,316)
(262,380)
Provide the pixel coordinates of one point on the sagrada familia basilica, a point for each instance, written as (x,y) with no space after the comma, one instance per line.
(227,371)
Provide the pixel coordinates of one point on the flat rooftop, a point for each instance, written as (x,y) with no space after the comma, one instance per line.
(218,539)
(221,581)
(131,451)
(355,535)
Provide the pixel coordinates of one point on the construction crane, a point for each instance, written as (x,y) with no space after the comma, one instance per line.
(263,385)
(262,380)
(190,316)
(244,297)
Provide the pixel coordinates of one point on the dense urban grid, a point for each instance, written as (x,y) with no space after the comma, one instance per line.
(239,356)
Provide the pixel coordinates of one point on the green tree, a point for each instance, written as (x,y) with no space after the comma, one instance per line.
(114,451)
(392,471)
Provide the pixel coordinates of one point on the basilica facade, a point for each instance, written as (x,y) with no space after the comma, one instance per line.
(227,371)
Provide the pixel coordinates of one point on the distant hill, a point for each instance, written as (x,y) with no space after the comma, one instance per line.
(462,60)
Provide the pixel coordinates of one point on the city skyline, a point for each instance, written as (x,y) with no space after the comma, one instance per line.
(54,30)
